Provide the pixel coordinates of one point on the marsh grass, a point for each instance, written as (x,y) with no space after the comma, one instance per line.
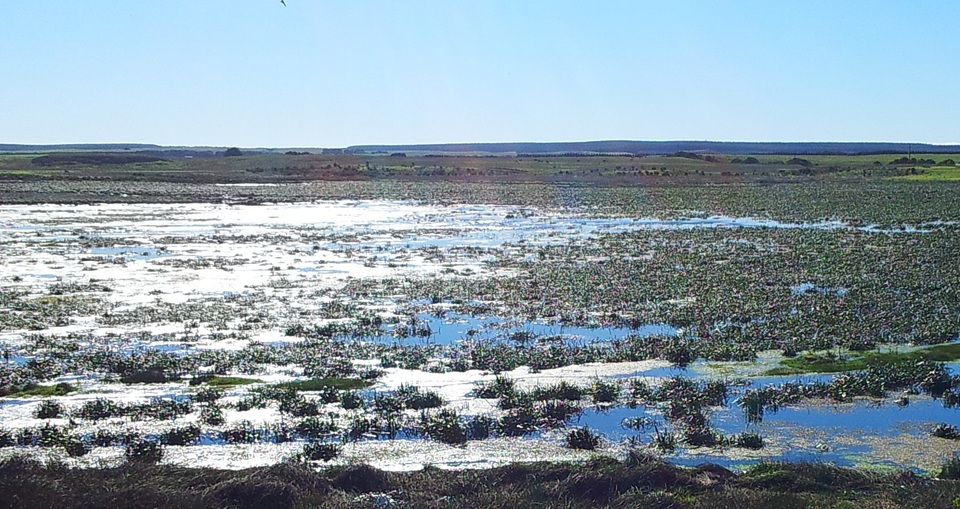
(229,382)
(60,389)
(319,384)
(829,362)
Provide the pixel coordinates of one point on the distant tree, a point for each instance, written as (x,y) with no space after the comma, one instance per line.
(232,152)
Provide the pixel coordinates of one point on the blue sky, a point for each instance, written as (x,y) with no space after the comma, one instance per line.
(254,73)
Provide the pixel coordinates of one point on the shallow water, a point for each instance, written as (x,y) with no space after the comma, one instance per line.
(281,258)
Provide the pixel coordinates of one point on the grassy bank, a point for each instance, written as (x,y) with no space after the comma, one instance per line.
(638,481)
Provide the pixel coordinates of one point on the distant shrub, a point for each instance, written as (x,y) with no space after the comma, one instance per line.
(27,437)
(715,393)
(556,413)
(800,161)
(359,426)
(387,403)
(298,406)
(281,433)
(701,436)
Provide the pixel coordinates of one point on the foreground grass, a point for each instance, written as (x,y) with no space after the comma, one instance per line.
(639,481)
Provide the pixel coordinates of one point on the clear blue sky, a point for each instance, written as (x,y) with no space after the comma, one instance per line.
(254,73)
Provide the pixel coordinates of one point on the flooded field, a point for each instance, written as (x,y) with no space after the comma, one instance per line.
(404,333)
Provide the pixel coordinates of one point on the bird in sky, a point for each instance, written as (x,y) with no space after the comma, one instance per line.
(283,2)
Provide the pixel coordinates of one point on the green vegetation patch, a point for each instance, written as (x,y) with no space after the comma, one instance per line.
(938,173)
(60,389)
(830,363)
(319,384)
(224,382)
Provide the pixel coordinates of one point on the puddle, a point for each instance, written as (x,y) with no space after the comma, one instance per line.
(803,288)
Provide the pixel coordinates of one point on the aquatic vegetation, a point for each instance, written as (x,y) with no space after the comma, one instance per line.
(320,451)
(605,392)
(479,427)
(414,398)
(28,389)
(312,428)
(49,410)
(143,451)
(75,446)
(185,435)
(562,390)
(351,400)
(747,440)
(582,438)
(242,433)
(207,395)
(444,426)
(99,409)
(212,415)
(944,430)
(950,468)
(7,438)
(499,387)
(319,384)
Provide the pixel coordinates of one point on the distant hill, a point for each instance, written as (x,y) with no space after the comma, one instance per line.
(548,148)
(665,147)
